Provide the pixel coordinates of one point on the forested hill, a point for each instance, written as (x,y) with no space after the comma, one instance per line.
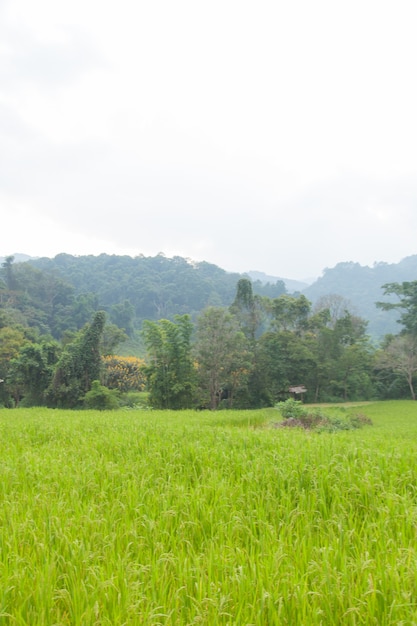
(156,286)
(63,292)
(361,286)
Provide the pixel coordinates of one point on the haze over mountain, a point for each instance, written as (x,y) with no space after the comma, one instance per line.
(290,284)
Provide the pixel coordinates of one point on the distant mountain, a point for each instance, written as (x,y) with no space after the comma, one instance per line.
(291,285)
(362,287)
(18,257)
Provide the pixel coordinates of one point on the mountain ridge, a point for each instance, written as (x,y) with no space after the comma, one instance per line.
(360,285)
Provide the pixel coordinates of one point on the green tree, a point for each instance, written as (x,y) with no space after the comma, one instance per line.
(351,376)
(284,359)
(43,300)
(83,308)
(123,315)
(32,370)
(222,354)
(406,293)
(290,313)
(111,338)
(170,371)
(399,356)
(343,358)
(79,364)
(245,309)
(8,273)
(11,341)
(101,398)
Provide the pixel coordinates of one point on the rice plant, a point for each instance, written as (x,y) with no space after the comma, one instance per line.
(177,518)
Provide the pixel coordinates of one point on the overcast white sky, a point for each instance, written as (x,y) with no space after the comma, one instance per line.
(278,136)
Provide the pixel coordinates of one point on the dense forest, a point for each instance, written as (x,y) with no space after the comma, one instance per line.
(159,287)
(62,293)
(80,331)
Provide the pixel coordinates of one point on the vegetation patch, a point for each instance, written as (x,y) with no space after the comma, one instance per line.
(297,415)
(194,517)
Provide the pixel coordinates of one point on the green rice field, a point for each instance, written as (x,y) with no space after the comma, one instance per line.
(180,518)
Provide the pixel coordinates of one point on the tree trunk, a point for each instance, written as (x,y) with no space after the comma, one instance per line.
(410,384)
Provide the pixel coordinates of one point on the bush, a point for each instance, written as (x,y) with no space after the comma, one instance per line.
(297,415)
(101,398)
(291,408)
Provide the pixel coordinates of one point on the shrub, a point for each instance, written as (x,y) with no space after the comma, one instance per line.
(101,398)
(297,415)
(291,408)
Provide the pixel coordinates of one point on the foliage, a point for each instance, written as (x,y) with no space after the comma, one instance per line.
(399,356)
(291,408)
(334,305)
(245,355)
(123,315)
(284,359)
(125,373)
(31,372)
(245,308)
(111,339)
(101,398)
(222,356)
(406,293)
(290,313)
(147,288)
(170,371)
(8,273)
(79,364)
(11,341)
(134,400)
(42,301)
(295,414)
(53,294)
(190,518)
(361,287)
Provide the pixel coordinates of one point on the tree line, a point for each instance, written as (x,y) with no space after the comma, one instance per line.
(245,355)
(61,294)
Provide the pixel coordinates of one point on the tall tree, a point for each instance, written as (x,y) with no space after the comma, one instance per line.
(123,314)
(79,365)
(7,271)
(406,293)
(290,313)
(32,370)
(285,359)
(170,370)
(11,341)
(221,351)
(336,306)
(245,308)
(344,359)
(399,356)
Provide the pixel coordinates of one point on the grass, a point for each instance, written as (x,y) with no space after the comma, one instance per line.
(180,518)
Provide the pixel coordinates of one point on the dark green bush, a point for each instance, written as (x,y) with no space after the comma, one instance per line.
(101,398)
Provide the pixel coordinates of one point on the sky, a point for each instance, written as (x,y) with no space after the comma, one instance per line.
(277,136)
